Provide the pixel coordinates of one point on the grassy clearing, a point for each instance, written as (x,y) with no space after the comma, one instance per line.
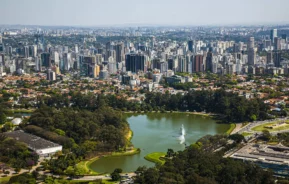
(84,166)
(125,153)
(260,128)
(21,110)
(232,127)
(5,179)
(156,157)
(246,134)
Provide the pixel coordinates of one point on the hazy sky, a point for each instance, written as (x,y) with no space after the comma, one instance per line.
(143,12)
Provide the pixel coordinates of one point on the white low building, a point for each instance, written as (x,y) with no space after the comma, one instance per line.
(41,146)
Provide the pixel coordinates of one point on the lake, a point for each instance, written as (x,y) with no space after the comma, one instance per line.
(156,132)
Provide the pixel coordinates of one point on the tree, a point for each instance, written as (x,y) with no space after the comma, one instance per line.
(3,118)
(115,176)
(170,153)
(238,138)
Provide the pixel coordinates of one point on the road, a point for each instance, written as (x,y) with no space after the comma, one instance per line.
(103,177)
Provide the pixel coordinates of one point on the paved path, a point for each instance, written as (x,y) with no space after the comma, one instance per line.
(104,177)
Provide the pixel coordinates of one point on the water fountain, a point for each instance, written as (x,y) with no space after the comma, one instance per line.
(182,136)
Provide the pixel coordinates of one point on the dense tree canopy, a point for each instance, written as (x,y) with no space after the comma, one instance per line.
(198,166)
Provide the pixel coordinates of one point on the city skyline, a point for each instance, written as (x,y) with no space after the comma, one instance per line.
(149,13)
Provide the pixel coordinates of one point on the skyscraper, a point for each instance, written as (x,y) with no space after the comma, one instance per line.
(251,56)
(273,34)
(277,59)
(209,62)
(119,49)
(198,63)
(45,60)
(135,62)
(277,43)
(251,43)
(191,45)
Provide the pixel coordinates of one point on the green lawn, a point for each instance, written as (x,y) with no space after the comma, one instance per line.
(155,157)
(260,128)
(5,179)
(232,127)
(246,134)
(84,166)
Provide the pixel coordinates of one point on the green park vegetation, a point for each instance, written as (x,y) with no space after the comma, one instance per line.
(156,157)
(246,134)
(5,180)
(16,154)
(266,126)
(231,106)
(199,164)
(231,129)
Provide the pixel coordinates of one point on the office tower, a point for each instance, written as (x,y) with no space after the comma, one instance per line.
(135,62)
(98,59)
(170,63)
(182,64)
(277,59)
(96,71)
(112,67)
(269,57)
(198,63)
(273,34)
(251,43)
(277,43)
(65,49)
(8,50)
(2,62)
(45,60)
(26,51)
(191,45)
(1,41)
(55,58)
(284,36)
(33,50)
(87,66)
(119,52)
(38,64)
(76,48)
(209,62)
(103,74)
(51,75)
(251,56)
(163,66)
(66,61)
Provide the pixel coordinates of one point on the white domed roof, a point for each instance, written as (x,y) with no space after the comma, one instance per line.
(16,121)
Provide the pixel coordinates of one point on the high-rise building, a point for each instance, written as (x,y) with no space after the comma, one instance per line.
(1,41)
(26,51)
(209,62)
(182,64)
(38,64)
(277,59)
(88,66)
(277,43)
(66,61)
(45,60)
(284,36)
(251,43)
(191,45)
(135,62)
(76,48)
(273,34)
(251,56)
(51,75)
(198,63)
(119,48)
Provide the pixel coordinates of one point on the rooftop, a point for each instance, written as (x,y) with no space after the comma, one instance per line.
(33,142)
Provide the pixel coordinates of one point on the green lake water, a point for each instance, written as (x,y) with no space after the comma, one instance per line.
(156,132)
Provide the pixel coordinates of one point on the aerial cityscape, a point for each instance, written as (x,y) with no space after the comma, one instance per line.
(167,92)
